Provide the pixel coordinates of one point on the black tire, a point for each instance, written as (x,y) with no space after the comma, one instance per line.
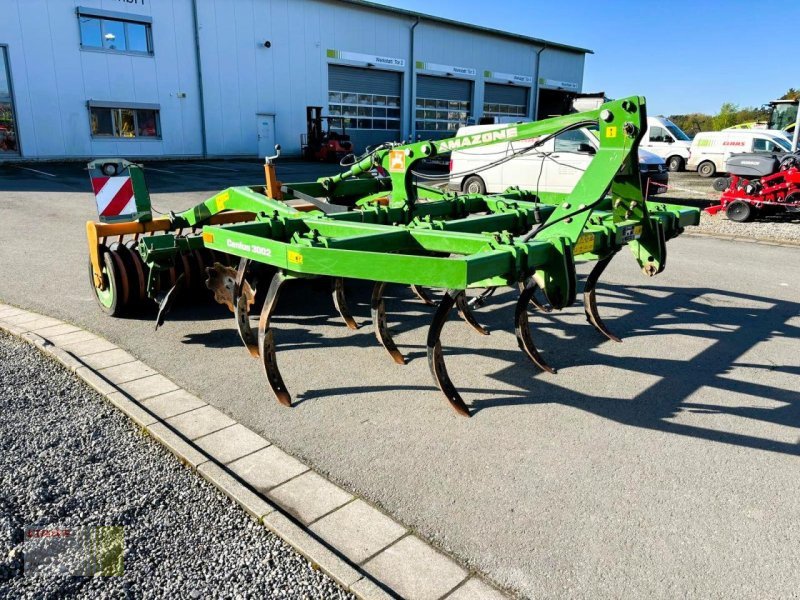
(706,169)
(675,164)
(473,185)
(721,184)
(110,300)
(739,211)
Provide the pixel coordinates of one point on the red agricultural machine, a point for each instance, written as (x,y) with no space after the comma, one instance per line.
(759,185)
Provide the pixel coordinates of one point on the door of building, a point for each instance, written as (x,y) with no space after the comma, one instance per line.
(265,126)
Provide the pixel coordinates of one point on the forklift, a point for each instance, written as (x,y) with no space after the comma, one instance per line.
(324,145)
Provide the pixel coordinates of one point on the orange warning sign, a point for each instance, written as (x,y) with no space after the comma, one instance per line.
(397,161)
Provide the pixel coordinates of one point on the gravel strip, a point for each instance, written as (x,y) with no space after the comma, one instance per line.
(692,189)
(68,459)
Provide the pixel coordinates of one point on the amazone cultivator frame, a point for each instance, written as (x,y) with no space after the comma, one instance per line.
(365,224)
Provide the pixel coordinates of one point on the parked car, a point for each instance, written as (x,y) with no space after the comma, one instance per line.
(711,149)
(668,141)
(555,167)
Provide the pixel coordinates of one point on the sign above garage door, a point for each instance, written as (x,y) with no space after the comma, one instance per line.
(426,66)
(386,61)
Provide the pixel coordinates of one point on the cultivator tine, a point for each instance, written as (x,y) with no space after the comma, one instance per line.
(420,293)
(538,305)
(465,312)
(590,298)
(379,321)
(435,356)
(266,342)
(340,302)
(523,330)
(167,300)
(241,309)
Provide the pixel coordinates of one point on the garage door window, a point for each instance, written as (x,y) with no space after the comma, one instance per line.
(441,115)
(505,101)
(365,111)
(124,122)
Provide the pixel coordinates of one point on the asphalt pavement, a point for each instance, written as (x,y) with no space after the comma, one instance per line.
(660,467)
(70,463)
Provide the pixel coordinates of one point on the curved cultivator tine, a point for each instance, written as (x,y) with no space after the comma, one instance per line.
(340,302)
(435,356)
(381,328)
(523,330)
(241,308)
(422,294)
(465,312)
(590,298)
(534,301)
(266,342)
(167,300)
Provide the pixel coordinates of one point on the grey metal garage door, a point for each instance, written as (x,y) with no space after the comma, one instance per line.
(505,100)
(443,105)
(368,100)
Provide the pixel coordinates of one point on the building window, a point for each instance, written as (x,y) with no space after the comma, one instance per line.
(441,115)
(505,110)
(364,111)
(124,122)
(115,34)
(8,124)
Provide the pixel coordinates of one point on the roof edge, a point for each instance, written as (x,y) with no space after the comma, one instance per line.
(473,27)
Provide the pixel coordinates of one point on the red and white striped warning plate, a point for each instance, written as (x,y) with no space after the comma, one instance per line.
(114,196)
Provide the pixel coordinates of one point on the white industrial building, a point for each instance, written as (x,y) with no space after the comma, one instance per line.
(224,78)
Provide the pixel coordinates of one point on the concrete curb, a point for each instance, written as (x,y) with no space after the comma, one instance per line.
(361,548)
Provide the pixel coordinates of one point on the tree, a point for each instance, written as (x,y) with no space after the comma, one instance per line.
(792,94)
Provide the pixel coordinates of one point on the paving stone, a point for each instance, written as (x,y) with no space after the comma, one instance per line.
(178,444)
(41,323)
(173,403)
(267,468)
(141,389)
(109,358)
(61,329)
(415,570)
(71,338)
(96,381)
(133,409)
(231,443)
(200,421)
(366,589)
(94,346)
(127,372)
(235,490)
(22,318)
(309,496)
(299,538)
(475,589)
(64,357)
(9,311)
(358,530)
(15,329)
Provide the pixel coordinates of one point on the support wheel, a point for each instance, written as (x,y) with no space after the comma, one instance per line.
(474,185)
(721,184)
(675,164)
(109,299)
(706,169)
(739,211)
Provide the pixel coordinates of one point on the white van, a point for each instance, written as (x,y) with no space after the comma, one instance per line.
(710,149)
(555,166)
(668,141)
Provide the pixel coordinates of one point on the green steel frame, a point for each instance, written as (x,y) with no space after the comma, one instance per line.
(395,231)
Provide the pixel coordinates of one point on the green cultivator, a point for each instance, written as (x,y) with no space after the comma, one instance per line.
(373,222)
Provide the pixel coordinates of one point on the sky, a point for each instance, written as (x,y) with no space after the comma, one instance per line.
(683,56)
